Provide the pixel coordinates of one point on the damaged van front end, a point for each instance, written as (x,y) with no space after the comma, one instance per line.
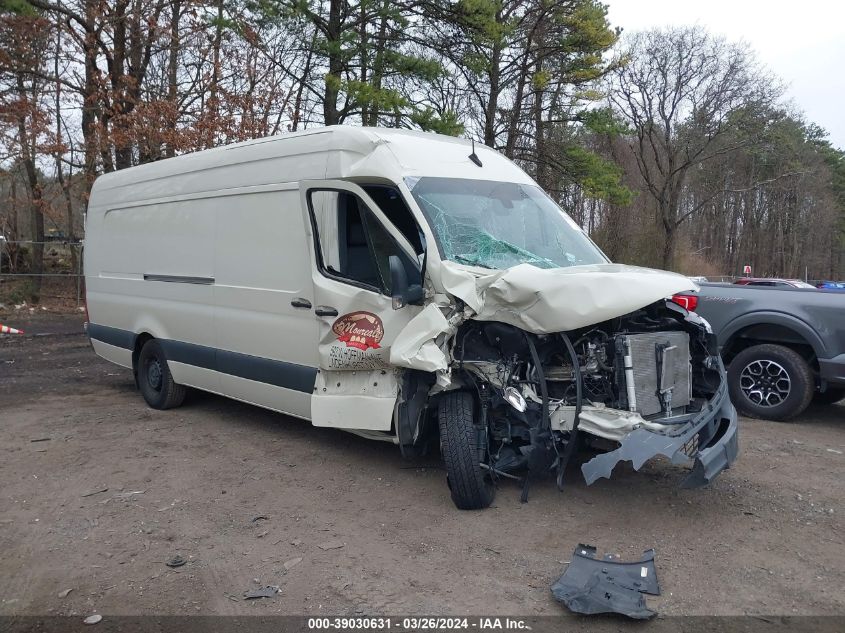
(529,356)
(645,383)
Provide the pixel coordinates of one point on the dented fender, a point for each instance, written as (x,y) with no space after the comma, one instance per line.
(537,300)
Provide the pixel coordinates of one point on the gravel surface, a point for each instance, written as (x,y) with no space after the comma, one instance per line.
(100,492)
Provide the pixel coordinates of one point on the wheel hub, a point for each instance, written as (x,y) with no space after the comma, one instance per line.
(765,383)
(154,374)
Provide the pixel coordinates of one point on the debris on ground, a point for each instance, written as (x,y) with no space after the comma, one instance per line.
(41,439)
(176,561)
(93,619)
(95,492)
(64,592)
(260,517)
(128,495)
(262,592)
(593,585)
(331,545)
(293,562)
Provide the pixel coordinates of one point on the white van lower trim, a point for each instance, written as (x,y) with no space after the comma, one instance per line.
(266,370)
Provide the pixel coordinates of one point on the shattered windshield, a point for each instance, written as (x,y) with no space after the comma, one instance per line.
(498,225)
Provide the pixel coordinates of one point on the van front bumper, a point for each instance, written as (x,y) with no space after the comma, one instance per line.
(708,441)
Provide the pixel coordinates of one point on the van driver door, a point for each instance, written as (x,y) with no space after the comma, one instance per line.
(351,240)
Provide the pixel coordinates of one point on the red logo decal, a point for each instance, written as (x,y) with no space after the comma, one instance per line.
(362,330)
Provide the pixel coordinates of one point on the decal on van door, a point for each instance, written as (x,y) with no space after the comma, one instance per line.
(361,330)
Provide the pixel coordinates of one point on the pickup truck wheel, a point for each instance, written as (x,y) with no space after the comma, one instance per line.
(470,485)
(155,380)
(771,382)
(831,396)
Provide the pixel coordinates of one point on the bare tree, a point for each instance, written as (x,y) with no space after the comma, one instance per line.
(23,118)
(684,92)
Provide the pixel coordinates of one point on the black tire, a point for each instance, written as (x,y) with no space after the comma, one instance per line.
(771,382)
(831,396)
(155,380)
(470,485)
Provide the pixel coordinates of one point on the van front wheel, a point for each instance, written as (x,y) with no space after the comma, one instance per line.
(155,380)
(463,446)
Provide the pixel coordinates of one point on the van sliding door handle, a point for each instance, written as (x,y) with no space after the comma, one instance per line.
(325,311)
(299,302)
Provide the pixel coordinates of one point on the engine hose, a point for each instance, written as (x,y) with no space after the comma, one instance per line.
(544,396)
(579,401)
(541,378)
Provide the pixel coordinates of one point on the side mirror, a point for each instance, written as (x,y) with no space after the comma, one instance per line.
(401,293)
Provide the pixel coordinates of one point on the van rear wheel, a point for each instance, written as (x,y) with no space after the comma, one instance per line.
(155,380)
(463,446)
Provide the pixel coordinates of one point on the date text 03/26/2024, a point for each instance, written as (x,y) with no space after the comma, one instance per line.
(479,623)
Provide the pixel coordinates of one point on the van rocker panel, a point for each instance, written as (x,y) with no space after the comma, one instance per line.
(273,372)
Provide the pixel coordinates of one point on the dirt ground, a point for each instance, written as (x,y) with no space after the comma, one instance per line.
(99,491)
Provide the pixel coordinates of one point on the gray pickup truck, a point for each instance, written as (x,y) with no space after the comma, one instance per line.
(784,347)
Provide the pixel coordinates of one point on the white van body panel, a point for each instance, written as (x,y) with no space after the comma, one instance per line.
(205,253)
(209,252)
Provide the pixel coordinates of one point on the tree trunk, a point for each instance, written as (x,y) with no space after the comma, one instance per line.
(493,102)
(120,98)
(172,77)
(542,169)
(213,96)
(378,64)
(362,53)
(13,250)
(35,197)
(297,103)
(60,177)
(89,96)
(331,114)
(516,112)
(668,260)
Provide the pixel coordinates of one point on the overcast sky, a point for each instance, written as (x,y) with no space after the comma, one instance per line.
(801,42)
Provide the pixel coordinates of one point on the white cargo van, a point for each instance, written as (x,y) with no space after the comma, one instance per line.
(401,286)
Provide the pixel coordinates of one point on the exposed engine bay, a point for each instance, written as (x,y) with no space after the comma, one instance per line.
(655,369)
(518,368)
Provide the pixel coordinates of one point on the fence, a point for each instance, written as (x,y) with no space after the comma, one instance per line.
(61,276)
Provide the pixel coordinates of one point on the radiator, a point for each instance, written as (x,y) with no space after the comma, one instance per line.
(660,361)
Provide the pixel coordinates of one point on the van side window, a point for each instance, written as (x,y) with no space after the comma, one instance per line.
(353,245)
(391,203)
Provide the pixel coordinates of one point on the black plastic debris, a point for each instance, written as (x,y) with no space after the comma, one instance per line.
(176,561)
(262,592)
(593,585)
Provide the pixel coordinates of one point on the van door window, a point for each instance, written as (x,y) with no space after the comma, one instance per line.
(391,203)
(352,244)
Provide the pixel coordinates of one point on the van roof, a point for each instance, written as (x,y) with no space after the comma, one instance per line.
(284,158)
(353,134)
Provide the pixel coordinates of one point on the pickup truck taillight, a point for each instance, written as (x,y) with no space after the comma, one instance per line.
(690,302)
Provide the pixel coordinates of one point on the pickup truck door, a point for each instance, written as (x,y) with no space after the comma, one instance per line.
(350,240)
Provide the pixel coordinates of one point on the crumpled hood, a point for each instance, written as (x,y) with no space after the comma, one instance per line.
(537,300)
(560,299)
